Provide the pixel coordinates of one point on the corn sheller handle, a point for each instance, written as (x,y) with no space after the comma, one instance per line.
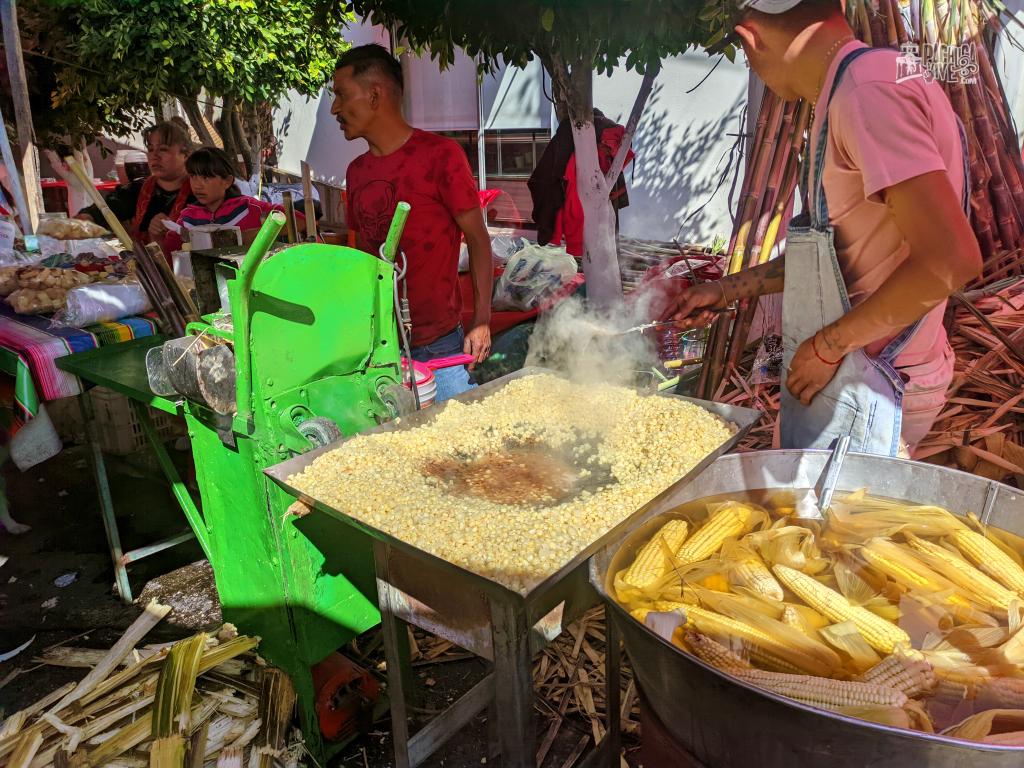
(390,248)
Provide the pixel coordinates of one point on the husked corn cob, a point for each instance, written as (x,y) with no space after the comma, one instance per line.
(904,568)
(882,635)
(763,648)
(822,691)
(910,676)
(983,589)
(751,572)
(1001,693)
(733,519)
(714,653)
(651,562)
(990,558)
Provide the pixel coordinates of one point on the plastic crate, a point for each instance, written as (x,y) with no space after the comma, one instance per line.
(118,429)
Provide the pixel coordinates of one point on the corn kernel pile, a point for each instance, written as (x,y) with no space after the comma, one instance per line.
(387,480)
(902,615)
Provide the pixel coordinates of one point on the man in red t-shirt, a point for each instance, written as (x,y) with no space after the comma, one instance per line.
(432,174)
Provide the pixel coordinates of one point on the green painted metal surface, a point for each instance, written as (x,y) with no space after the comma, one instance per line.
(122,368)
(322,345)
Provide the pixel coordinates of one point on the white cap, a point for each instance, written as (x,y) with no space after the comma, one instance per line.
(769,6)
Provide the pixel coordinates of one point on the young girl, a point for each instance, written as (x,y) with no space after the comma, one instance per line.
(212,177)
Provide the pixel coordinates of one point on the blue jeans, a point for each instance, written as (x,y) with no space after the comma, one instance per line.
(450,381)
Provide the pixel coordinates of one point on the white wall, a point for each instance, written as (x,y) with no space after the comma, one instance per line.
(307,131)
(681,146)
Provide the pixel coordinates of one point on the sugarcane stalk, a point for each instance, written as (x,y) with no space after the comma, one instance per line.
(781,195)
(769,119)
(889,15)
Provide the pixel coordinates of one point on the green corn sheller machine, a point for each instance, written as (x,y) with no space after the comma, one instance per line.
(316,355)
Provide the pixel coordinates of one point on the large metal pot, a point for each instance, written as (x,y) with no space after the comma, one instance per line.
(725,723)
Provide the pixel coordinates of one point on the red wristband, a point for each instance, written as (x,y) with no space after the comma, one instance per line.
(814,346)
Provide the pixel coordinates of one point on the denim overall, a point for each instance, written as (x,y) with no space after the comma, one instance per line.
(865,397)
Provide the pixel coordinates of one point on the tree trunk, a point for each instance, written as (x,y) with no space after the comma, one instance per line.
(196,118)
(227,130)
(244,148)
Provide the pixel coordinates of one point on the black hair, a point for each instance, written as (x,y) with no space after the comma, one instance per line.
(211,161)
(169,133)
(373,58)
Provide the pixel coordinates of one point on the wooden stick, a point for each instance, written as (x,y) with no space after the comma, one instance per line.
(307,201)
(94,194)
(22,113)
(184,303)
(289,213)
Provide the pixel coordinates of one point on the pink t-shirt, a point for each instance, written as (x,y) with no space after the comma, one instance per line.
(881,133)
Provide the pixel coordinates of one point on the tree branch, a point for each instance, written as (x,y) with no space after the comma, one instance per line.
(195,117)
(634,119)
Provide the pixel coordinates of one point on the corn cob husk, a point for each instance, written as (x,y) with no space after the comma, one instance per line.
(881,634)
(747,569)
(990,593)
(651,563)
(989,558)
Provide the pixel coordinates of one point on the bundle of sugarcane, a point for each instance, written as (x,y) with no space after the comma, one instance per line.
(769,181)
(950,38)
(981,429)
(200,701)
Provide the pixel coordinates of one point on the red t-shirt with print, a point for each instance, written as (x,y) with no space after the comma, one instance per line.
(432,174)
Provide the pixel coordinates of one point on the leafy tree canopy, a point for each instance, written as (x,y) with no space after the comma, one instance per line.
(95,65)
(606,33)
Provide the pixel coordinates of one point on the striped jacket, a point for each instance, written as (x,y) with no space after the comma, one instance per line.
(243,212)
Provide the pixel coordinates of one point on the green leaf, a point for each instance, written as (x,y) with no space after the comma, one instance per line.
(547,19)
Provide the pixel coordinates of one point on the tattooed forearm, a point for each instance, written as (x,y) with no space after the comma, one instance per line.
(758,281)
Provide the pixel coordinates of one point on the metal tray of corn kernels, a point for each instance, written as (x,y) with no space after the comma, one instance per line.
(743,418)
(726,723)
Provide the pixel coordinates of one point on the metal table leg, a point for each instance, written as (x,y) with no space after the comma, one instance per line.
(513,685)
(188,506)
(396,636)
(99,471)
(613,692)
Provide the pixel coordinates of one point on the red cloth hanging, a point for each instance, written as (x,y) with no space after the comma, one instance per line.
(569,220)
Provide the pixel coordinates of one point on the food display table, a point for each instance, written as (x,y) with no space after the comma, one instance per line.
(30,349)
(122,368)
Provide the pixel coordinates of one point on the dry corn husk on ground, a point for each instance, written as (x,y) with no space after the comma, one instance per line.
(897,614)
(196,702)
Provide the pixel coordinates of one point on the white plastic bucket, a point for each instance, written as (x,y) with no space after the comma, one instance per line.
(426,384)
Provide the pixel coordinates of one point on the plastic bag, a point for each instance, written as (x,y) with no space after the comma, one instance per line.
(531,276)
(502,249)
(101,303)
(96,246)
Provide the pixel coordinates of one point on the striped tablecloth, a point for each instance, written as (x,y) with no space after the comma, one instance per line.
(29,349)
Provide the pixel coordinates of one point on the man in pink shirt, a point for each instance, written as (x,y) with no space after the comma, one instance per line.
(886,189)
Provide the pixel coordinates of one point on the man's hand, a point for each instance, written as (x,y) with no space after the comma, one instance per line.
(478,343)
(696,306)
(157,229)
(809,373)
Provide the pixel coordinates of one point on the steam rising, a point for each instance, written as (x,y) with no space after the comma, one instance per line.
(587,346)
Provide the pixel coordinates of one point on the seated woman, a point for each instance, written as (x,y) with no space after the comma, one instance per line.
(212,178)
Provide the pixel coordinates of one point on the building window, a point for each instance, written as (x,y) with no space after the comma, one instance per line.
(508,154)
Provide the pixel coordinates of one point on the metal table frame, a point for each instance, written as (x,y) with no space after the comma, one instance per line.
(504,627)
(118,367)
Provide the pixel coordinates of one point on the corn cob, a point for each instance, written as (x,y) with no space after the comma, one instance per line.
(822,691)
(989,558)
(731,520)
(904,568)
(761,647)
(792,617)
(912,677)
(749,570)
(881,635)
(985,590)
(1000,693)
(651,562)
(714,653)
